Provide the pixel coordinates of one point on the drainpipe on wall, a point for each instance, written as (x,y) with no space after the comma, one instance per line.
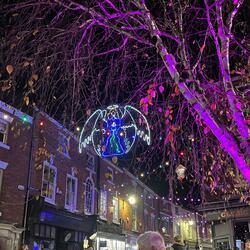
(27,193)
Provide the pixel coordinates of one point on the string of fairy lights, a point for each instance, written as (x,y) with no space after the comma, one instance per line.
(149,199)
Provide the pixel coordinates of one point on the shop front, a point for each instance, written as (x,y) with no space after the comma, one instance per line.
(131,239)
(230,226)
(109,237)
(10,236)
(53,229)
(106,241)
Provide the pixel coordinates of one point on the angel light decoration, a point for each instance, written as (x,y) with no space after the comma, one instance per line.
(114,130)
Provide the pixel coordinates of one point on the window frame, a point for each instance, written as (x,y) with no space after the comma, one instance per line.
(92,197)
(115,219)
(146,218)
(93,168)
(134,219)
(177,228)
(3,143)
(152,222)
(60,145)
(47,199)
(70,207)
(111,170)
(102,215)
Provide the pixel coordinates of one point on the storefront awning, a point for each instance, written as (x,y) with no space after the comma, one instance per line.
(69,221)
(111,236)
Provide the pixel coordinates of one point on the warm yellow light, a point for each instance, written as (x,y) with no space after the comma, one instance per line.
(78,129)
(132,200)
(191,222)
(85,243)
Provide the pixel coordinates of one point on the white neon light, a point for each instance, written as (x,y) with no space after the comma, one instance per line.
(86,139)
(148,138)
(83,130)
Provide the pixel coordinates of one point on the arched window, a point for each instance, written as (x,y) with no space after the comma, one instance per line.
(89,196)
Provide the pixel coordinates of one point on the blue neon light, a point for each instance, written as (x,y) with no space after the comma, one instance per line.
(113,131)
(114,143)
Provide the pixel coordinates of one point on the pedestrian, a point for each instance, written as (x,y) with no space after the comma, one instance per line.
(247,247)
(151,241)
(186,246)
(177,243)
(24,247)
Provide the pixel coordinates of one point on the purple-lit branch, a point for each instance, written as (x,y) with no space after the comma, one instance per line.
(179,62)
(223,57)
(223,136)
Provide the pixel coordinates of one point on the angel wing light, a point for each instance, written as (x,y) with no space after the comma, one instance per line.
(114,130)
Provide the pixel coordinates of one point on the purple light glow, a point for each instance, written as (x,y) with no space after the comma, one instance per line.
(103,51)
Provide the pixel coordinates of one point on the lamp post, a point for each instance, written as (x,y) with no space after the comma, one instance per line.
(31,162)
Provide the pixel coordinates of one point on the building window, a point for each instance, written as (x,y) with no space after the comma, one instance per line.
(152,226)
(149,223)
(146,219)
(148,198)
(63,144)
(103,204)
(91,162)
(49,182)
(177,228)
(41,230)
(89,197)
(176,210)
(3,131)
(134,218)
(166,225)
(115,210)
(151,200)
(71,192)
(109,175)
(190,231)
(3,165)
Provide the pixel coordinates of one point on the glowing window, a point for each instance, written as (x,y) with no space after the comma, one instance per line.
(49,182)
(71,192)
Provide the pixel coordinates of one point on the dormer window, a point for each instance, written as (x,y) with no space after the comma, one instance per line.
(63,144)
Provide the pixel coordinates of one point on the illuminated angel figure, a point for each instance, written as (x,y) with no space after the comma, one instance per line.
(113,131)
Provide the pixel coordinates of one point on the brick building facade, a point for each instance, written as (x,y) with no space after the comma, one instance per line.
(15,141)
(72,198)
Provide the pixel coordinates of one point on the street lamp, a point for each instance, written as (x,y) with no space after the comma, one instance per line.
(180,171)
(132,200)
(191,222)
